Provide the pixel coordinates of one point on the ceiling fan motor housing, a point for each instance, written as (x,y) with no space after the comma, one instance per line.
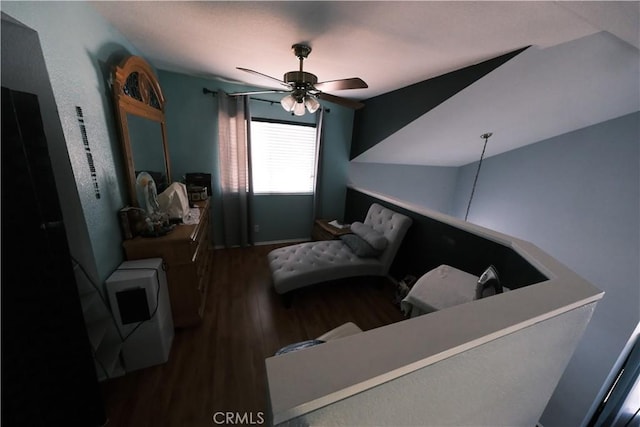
(300,78)
(302,82)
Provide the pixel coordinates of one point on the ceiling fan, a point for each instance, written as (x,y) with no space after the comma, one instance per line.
(305,90)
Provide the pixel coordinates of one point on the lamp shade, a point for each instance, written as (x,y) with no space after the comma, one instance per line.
(296,104)
(298,109)
(311,103)
(288,102)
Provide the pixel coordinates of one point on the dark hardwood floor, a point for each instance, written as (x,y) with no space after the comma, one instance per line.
(219,365)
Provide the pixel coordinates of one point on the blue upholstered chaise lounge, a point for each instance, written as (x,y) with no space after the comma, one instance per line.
(305,264)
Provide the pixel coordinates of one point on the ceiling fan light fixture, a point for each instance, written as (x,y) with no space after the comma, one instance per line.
(298,109)
(311,103)
(288,103)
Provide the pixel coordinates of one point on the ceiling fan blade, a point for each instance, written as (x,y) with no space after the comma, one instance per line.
(340,101)
(257,92)
(342,84)
(280,82)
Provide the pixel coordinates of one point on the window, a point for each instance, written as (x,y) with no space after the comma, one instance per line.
(283,157)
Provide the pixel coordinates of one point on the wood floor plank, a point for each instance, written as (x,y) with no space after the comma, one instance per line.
(219,365)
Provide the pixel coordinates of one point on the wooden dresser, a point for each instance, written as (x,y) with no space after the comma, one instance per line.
(186,251)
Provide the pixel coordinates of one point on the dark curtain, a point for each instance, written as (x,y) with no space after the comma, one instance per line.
(234,163)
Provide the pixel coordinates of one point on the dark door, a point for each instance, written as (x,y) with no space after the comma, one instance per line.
(48,374)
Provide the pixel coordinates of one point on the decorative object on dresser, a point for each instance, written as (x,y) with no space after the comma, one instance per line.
(186,252)
(198,185)
(131,221)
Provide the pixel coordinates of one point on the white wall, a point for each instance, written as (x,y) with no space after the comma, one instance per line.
(505,382)
(576,196)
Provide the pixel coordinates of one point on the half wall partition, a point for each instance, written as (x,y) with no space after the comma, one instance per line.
(494,361)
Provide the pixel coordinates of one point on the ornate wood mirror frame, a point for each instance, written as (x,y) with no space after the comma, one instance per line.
(139,98)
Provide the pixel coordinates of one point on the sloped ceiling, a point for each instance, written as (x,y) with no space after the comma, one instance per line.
(390,44)
(539,94)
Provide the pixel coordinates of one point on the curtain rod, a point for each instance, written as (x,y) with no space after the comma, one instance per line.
(214,93)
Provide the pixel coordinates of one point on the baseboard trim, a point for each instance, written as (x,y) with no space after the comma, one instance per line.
(278,242)
(270,242)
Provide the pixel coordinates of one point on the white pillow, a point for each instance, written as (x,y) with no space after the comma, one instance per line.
(375,238)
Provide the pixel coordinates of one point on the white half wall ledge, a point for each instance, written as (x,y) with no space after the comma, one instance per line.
(305,381)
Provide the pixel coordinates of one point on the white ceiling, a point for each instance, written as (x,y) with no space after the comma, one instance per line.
(388,44)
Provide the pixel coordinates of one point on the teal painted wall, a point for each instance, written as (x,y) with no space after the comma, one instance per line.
(192,126)
(192,134)
(79,49)
(338,127)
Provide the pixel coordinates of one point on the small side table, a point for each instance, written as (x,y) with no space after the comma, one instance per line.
(322,230)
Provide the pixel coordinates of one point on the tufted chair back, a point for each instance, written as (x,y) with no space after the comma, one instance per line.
(393,225)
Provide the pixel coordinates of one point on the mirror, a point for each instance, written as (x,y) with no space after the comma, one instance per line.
(145,138)
(140,113)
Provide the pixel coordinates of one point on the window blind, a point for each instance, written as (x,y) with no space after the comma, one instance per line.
(282,157)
